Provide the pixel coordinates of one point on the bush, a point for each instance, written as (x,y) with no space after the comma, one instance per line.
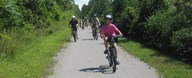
(159,28)
(182,41)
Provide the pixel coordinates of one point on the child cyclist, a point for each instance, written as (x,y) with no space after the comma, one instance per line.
(108,29)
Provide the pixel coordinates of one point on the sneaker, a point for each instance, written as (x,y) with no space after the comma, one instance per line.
(117,62)
(106,52)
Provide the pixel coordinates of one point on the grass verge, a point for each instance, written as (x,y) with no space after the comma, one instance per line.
(32,61)
(166,66)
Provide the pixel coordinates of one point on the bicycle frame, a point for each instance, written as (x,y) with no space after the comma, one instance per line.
(95,33)
(112,54)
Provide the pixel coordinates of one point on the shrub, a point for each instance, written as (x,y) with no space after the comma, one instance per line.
(182,41)
(159,28)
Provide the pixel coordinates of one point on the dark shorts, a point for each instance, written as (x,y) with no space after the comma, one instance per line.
(94,26)
(109,39)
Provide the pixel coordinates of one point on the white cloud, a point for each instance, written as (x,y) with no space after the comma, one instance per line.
(81,2)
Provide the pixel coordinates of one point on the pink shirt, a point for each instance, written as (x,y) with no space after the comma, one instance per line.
(109,30)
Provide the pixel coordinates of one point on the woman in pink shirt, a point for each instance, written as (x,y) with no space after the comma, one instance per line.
(108,30)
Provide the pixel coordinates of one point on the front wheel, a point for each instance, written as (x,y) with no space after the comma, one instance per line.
(75,36)
(113,59)
(96,35)
(93,33)
(109,59)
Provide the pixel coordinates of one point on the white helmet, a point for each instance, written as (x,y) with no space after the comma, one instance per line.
(108,17)
(73,16)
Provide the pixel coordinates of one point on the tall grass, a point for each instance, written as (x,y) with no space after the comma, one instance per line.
(33,56)
(14,39)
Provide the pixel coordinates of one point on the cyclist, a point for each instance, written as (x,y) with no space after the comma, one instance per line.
(86,21)
(82,23)
(95,22)
(108,29)
(73,24)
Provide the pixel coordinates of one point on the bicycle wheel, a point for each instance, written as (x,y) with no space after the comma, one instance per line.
(96,35)
(75,36)
(93,32)
(113,59)
(109,59)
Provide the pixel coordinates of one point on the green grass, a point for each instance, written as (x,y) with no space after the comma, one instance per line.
(32,61)
(165,65)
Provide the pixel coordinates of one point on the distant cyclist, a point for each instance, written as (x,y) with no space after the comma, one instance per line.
(82,23)
(108,29)
(86,21)
(95,22)
(73,24)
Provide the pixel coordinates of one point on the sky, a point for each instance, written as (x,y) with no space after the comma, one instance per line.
(81,2)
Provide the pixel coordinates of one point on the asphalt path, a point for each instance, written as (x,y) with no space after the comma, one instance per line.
(85,59)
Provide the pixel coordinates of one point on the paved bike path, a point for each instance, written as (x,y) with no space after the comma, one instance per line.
(85,59)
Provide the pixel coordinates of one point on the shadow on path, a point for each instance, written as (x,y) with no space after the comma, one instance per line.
(87,39)
(105,69)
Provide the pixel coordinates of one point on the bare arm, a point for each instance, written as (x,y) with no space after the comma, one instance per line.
(98,21)
(118,31)
(102,33)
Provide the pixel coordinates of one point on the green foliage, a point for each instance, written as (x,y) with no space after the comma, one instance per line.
(126,14)
(153,21)
(23,20)
(84,11)
(100,7)
(132,15)
(10,15)
(159,28)
(181,40)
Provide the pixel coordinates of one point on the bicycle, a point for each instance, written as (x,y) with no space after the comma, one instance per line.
(112,54)
(95,33)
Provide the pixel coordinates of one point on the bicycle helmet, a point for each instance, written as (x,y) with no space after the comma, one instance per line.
(108,17)
(73,17)
(95,15)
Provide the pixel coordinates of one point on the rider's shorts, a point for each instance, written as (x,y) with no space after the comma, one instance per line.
(74,29)
(94,25)
(109,39)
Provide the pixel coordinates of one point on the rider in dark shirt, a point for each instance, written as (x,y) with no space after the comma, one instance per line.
(73,24)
